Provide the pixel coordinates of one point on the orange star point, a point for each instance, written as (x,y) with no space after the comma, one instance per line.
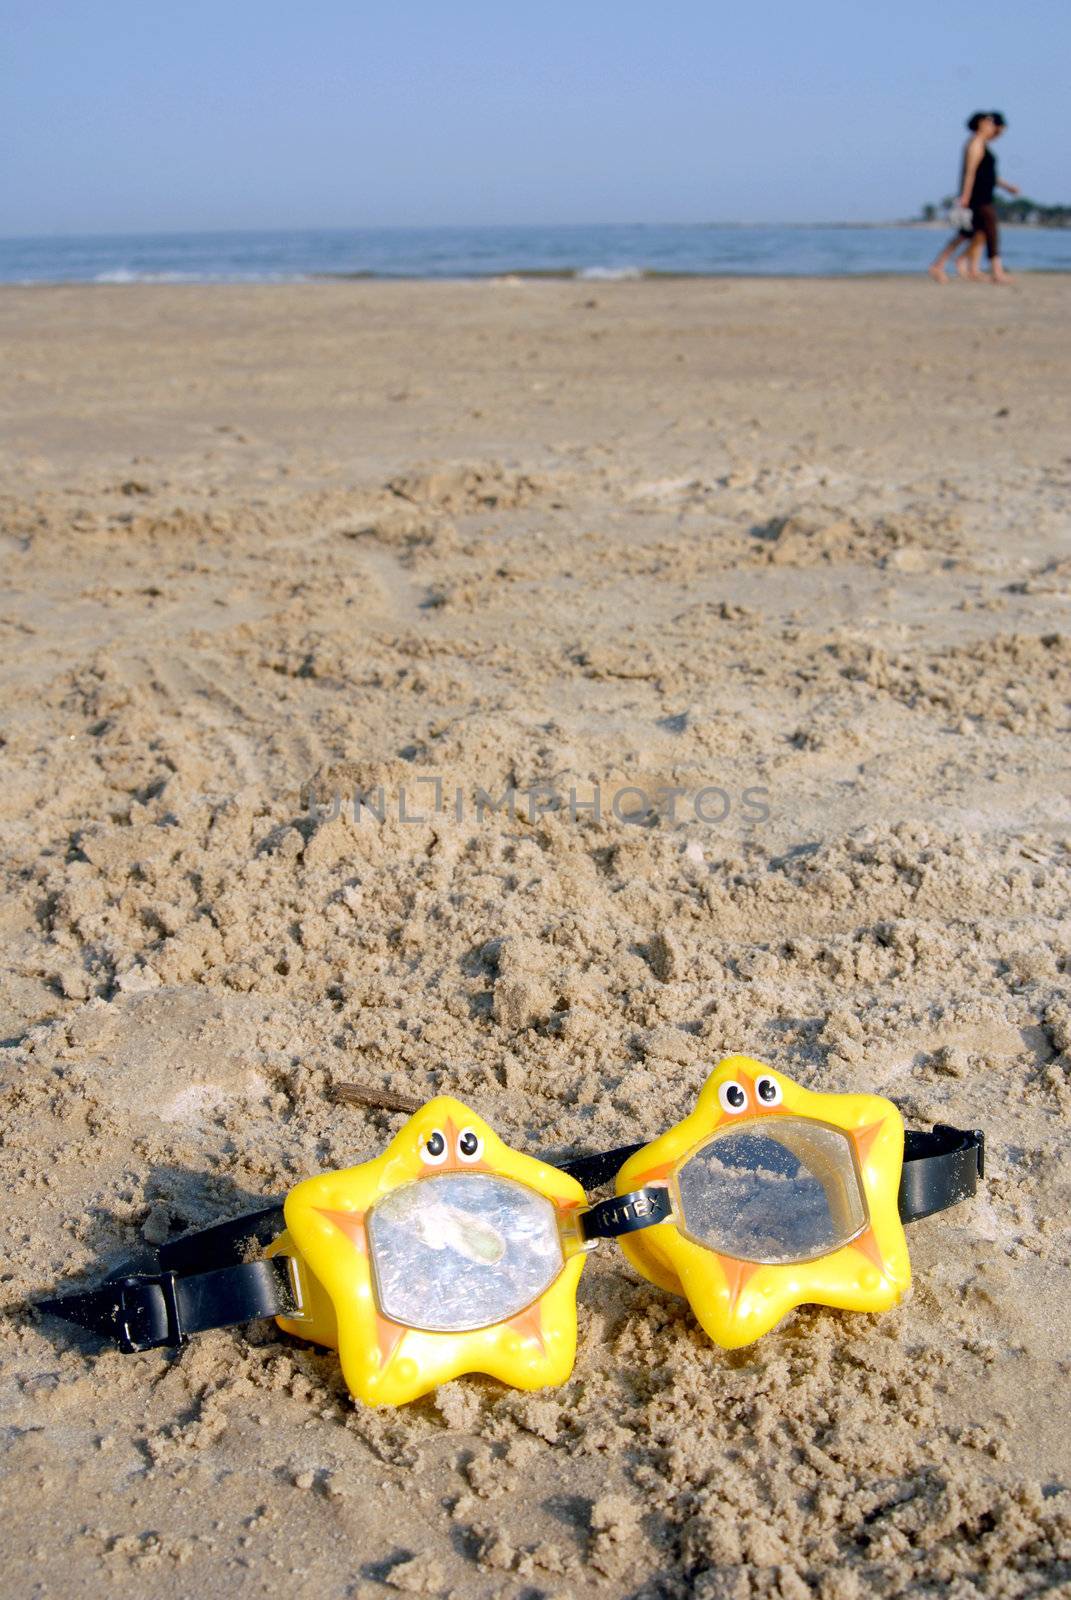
(351,1223)
(665,1169)
(737,1273)
(864,1139)
(867,1246)
(529,1324)
(389,1336)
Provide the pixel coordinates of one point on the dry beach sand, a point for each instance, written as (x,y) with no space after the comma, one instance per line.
(810,539)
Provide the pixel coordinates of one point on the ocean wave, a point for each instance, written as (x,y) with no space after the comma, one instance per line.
(135,275)
(128,275)
(611,274)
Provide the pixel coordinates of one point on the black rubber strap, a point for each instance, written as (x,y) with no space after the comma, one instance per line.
(593,1171)
(149,1311)
(941,1168)
(626,1213)
(223,1243)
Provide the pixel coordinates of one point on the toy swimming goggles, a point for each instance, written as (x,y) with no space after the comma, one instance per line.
(452,1252)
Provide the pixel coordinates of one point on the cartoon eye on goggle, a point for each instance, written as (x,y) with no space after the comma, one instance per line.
(433,1149)
(732,1097)
(469,1145)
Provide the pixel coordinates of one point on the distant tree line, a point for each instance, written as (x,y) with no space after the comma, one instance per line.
(1020,209)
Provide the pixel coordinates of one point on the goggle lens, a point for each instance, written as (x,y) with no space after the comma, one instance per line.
(782,1192)
(461,1251)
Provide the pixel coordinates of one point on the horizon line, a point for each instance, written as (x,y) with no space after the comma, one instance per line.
(431,227)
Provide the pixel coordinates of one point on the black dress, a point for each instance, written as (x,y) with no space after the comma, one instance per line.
(985,180)
(980,200)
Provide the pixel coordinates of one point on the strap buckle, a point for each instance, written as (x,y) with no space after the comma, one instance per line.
(147,1313)
(292,1268)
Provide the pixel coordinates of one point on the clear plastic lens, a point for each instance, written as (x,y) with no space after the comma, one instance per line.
(780,1191)
(460,1251)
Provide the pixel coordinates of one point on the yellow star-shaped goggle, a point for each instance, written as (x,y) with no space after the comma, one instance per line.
(452,1252)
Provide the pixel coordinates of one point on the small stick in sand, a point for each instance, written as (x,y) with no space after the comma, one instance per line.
(356,1094)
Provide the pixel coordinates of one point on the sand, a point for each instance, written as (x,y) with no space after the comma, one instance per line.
(799,551)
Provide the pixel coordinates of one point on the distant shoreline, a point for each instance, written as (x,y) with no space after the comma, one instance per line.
(499,280)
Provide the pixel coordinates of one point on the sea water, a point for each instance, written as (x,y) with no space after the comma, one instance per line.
(602,252)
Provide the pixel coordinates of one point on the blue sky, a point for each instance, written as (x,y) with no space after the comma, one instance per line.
(124,117)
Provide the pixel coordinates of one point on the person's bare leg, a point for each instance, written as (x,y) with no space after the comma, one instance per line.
(936,268)
(997,269)
(973,268)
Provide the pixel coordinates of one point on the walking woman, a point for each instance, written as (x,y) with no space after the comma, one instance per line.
(978,185)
